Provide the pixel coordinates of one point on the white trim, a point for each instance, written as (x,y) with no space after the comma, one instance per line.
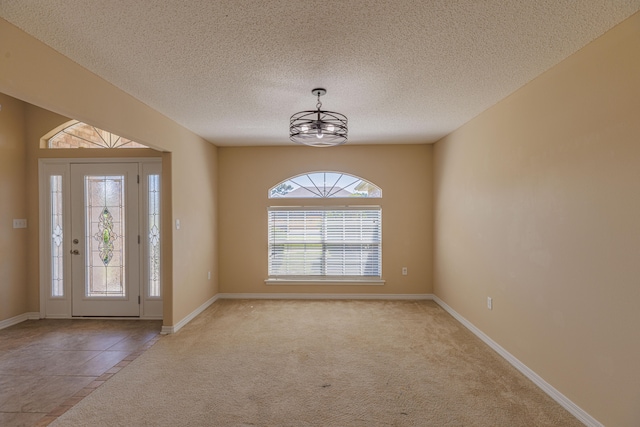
(326,282)
(19,319)
(175,328)
(61,307)
(67,160)
(315,296)
(564,401)
(325,208)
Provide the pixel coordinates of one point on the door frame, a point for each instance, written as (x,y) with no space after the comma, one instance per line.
(151,307)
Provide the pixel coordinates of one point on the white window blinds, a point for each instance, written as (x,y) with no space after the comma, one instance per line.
(337,242)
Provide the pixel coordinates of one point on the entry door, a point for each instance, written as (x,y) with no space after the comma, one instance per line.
(105,267)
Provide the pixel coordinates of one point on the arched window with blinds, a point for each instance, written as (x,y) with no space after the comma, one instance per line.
(331,243)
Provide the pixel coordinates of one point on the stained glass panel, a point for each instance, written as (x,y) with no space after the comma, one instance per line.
(57,278)
(105,236)
(154,236)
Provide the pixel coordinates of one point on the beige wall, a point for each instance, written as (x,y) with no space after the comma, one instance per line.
(195,245)
(13,205)
(537,206)
(32,72)
(403,172)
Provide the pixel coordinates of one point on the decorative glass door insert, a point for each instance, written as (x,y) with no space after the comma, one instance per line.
(105,236)
(57,225)
(153,224)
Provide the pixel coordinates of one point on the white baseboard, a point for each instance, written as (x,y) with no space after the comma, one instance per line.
(19,319)
(175,328)
(151,317)
(327,296)
(574,409)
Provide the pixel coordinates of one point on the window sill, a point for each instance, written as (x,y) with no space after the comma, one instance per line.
(327,281)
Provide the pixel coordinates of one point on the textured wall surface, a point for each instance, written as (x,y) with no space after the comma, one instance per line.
(537,206)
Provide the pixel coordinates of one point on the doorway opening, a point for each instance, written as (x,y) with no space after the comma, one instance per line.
(100,238)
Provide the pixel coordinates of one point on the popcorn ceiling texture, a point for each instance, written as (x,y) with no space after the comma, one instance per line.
(233,71)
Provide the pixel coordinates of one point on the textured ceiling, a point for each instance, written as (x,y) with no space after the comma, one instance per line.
(402,71)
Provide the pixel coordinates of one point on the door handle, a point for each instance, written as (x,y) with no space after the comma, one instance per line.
(75,252)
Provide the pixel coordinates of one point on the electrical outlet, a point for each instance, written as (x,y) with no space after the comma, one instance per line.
(177,224)
(490,303)
(404,271)
(208,275)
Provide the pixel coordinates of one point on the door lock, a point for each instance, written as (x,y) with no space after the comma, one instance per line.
(75,241)
(75,252)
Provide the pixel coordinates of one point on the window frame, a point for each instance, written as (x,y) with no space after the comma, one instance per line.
(325,279)
(320,188)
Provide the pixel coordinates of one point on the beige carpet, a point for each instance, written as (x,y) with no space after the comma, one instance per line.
(319,363)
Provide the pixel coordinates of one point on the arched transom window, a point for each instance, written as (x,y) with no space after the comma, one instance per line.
(325,243)
(325,185)
(82,135)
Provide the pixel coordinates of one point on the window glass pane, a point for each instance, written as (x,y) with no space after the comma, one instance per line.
(105,236)
(57,278)
(154,235)
(82,135)
(325,185)
(337,242)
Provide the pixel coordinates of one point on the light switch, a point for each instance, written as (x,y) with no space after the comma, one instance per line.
(19,223)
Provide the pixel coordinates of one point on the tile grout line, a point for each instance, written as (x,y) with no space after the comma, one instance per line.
(52,415)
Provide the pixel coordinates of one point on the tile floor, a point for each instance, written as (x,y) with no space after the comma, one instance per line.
(47,366)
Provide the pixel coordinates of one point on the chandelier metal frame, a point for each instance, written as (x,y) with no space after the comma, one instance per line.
(318,128)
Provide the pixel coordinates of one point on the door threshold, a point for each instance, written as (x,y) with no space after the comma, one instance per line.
(108,317)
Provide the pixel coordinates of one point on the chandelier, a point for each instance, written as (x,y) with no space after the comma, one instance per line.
(318,128)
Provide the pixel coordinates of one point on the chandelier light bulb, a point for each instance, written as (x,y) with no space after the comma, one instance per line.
(331,128)
(304,128)
(319,135)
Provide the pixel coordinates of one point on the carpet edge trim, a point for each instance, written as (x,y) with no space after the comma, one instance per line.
(564,401)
